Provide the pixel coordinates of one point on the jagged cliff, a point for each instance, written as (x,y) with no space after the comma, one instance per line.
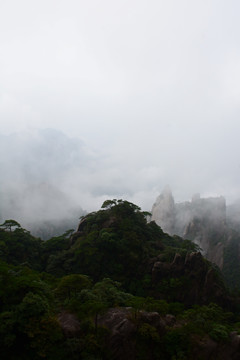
(207,223)
(194,219)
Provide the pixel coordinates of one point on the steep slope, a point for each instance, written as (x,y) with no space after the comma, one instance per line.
(205,222)
(119,243)
(200,220)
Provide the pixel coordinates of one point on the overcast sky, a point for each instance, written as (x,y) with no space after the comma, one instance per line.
(151,88)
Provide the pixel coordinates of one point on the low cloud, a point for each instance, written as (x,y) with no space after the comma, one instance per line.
(140,95)
(46,175)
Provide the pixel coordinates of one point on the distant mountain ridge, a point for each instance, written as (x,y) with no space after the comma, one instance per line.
(36,180)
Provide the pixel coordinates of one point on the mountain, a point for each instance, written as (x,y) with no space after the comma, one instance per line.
(199,220)
(41,208)
(119,287)
(126,248)
(209,223)
(35,180)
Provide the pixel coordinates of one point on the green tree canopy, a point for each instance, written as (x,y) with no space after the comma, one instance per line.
(9,224)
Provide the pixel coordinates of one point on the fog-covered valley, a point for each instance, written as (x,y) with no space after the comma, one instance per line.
(48,178)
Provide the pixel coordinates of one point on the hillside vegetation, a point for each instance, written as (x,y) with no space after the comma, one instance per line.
(119,287)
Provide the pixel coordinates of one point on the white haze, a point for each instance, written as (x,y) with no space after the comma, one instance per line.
(138,94)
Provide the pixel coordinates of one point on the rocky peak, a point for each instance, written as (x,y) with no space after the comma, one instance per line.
(202,220)
(163,210)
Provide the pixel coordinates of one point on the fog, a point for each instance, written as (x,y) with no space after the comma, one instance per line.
(115,100)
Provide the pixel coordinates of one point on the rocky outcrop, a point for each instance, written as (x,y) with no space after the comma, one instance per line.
(211,225)
(132,335)
(126,334)
(123,332)
(163,211)
(201,220)
(197,281)
(69,323)
(208,349)
(124,329)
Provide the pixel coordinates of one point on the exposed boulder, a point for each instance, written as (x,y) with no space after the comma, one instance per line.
(69,324)
(124,336)
(123,329)
(208,349)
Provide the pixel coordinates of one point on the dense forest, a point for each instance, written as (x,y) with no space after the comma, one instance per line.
(118,287)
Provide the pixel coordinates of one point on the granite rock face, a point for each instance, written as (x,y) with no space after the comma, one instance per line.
(164,212)
(199,282)
(123,331)
(201,220)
